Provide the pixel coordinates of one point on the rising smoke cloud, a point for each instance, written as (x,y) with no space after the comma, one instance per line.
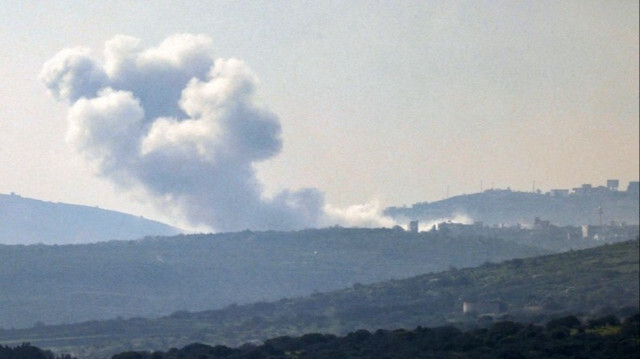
(184,127)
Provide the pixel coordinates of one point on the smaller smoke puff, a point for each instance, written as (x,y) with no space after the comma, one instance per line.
(427,225)
(359,215)
(184,127)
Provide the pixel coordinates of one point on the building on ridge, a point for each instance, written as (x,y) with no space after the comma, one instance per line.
(413,226)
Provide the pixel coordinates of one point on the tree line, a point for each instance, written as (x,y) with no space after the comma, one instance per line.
(565,337)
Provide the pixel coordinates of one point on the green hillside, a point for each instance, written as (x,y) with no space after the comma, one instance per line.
(157,276)
(566,337)
(591,282)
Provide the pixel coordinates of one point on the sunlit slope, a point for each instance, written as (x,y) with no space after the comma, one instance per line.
(157,276)
(592,282)
(27,221)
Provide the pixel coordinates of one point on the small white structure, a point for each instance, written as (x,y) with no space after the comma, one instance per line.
(493,307)
(413,226)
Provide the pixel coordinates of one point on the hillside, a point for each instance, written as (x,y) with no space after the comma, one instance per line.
(566,337)
(157,276)
(28,221)
(511,208)
(593,282)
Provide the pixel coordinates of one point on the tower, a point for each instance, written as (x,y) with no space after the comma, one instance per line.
(600,215)
(413,226)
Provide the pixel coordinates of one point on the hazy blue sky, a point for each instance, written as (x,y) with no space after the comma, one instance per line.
(393,101)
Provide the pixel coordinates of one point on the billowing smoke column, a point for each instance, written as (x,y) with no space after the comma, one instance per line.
(181,125)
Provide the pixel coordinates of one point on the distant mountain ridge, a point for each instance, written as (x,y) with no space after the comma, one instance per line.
(512,207)
(29,221)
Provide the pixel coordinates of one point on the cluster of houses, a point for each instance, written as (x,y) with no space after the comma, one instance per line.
(609,232)
(580,197)
(587,189)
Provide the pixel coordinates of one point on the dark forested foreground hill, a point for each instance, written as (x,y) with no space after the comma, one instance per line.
(28,351)
(27,221)
(588,282)
(157,276)
(565,337)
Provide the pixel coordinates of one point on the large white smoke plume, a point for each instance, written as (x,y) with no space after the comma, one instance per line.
(183,126)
